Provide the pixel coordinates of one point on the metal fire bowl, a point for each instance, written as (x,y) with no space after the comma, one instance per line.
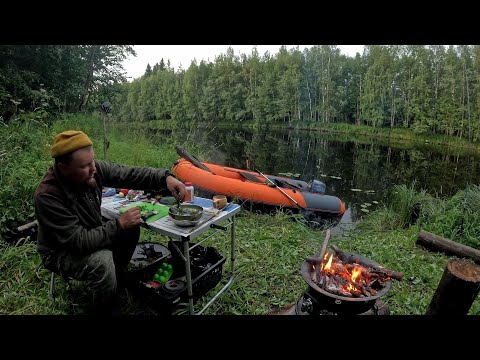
(307,270)
(185,220)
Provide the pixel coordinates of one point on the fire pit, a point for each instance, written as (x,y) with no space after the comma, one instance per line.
(343,283)
(335,294)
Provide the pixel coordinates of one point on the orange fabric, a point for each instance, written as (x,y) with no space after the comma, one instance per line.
(228,181)
(234,186)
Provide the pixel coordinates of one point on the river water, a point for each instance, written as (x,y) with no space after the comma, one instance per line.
(360,171)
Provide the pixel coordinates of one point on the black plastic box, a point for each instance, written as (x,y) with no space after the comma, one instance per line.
(206,265)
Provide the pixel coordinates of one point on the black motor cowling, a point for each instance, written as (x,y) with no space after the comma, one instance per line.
(317,186)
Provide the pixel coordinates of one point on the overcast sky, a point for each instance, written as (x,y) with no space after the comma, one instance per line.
(184,54)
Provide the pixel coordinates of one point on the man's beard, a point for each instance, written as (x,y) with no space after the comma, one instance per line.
(91,182)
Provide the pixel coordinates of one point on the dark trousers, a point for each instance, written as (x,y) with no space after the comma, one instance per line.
(102,269)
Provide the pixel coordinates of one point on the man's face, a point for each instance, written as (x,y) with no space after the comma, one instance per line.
(82,168)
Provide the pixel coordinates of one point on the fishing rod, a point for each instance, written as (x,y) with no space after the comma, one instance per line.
(283,192)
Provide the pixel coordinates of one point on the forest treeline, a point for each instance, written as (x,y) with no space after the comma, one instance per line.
(430,89)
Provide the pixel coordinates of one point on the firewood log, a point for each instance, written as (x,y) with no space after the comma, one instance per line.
(447,246)
(352,258)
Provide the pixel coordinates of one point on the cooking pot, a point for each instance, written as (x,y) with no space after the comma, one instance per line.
(186,214)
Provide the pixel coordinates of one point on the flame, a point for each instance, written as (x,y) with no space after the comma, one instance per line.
(351,288)
(356,273)
(328,266)
(352,278)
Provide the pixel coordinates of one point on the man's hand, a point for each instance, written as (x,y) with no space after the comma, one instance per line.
(176,187)
(130,218)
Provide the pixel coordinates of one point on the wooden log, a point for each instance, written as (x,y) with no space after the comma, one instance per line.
(319,259)
(390,273)
(313,260)
(324,245)
(449,247)
(349,258)
(322,253)
(457,290)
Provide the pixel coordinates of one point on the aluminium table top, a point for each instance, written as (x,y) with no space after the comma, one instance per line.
(165,225)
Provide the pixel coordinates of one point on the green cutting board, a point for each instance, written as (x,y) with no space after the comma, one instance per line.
(147,207)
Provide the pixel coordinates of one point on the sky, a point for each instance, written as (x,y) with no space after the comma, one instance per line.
(184,54)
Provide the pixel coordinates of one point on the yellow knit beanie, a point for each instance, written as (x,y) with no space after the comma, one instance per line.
(69,141)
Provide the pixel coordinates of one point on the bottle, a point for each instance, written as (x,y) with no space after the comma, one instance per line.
(190,195)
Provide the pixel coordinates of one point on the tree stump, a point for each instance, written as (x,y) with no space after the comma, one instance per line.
(457,290)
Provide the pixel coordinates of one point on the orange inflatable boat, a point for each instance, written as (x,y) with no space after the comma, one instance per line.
(258,188)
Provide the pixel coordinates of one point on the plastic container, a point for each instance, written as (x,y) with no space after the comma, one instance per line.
(163,273)
(206,265)
(190,192)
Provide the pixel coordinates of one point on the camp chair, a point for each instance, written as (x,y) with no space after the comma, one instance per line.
(51,295)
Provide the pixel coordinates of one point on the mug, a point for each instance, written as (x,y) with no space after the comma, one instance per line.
(219,201)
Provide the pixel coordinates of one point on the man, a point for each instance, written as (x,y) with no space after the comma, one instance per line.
(73,240)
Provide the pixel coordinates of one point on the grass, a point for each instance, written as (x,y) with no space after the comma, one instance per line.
(25,290)
(270,249)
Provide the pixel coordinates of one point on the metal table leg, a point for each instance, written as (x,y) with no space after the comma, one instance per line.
(232,245)
(232,259)
(188,274)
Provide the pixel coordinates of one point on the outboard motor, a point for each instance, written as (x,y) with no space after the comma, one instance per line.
(317,186)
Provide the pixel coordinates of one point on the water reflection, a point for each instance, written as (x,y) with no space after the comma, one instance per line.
(343,163)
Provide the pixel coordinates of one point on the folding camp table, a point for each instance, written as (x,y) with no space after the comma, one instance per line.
(210,220)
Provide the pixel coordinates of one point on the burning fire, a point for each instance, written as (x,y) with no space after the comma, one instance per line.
(351,280)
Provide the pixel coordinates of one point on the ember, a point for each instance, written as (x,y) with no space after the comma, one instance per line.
(350,280)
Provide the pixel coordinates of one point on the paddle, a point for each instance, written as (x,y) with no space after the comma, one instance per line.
(253,178)
(283,192)
(184,154)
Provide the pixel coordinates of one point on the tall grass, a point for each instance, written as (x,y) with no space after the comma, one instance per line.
(23,160)
(456,218)
(24,289)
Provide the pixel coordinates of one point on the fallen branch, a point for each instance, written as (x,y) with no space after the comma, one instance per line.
(318,259)
(449,247)
(324,246)
(322,253)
